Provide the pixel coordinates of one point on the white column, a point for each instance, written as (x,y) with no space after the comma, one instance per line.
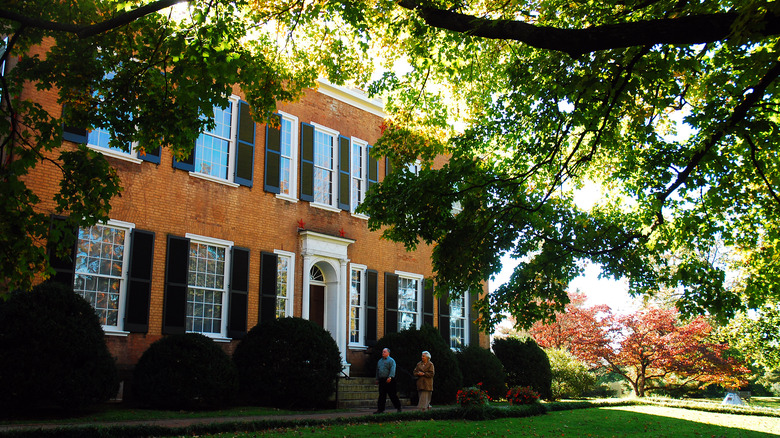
(305,286)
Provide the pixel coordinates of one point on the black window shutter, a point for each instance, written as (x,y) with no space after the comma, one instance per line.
(64,265)
(388,166)
(245,146)
(344,170)
(152,156)
(75,134)
(268,263)
(472,315)
(238,304)
(444,317)
(273,156)
(371,306)
(391,303)
(139,286)
(176,273)
(307,162)
(428,301)
(373,168)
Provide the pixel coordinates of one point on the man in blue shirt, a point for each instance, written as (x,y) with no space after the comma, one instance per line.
(385,377)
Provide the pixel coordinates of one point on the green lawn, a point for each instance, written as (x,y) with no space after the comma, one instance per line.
(765,402)
(629,421)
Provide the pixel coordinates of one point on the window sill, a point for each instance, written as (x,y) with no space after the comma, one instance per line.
(287,198)
(360,216)
(325,207)
(116,154)
(358,347)
(114,332)
(213,179)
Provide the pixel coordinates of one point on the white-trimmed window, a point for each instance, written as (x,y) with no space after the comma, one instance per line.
(214,147)
(358,171)
(288,155)
(207,286)
(285,267)
(356,304)
(102,257)
(324,165)
(409,286)
(458,326)
(99,139)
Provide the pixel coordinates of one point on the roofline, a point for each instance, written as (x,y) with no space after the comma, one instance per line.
(352,97)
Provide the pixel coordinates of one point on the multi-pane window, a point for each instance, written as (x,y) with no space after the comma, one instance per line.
(100,138)
(282,296)
(408,302)
(101,258)
(356,305)
(206,291)
(213,146)
(324,146)
(287,160)
(458,322)
(358,171)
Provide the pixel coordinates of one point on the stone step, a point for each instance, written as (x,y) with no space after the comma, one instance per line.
(360,392)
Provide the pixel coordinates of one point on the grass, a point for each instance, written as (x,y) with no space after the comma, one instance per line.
(765,402)
(625,421)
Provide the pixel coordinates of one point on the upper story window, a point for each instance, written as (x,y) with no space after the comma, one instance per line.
(225,153)
(281,156)
(319,151)
(359,158)
(324,160)
(102,257)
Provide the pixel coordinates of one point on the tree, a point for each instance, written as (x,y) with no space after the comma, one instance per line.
(667,108)
(652,349)
(124,67)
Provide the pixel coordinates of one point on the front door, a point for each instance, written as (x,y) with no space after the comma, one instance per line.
(317,304)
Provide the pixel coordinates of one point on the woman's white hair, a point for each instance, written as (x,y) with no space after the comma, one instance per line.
(427,354)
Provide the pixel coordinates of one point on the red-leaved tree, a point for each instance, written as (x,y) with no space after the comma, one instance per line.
(650,348)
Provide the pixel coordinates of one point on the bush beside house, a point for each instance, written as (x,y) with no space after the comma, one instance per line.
(526,364)
(53,351)
(480,365)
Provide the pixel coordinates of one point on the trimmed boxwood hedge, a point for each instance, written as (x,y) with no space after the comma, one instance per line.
(480,365)
(187,371)
(289,363)
(52,351)
(526,364)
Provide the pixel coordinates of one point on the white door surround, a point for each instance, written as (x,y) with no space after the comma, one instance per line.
(329,254)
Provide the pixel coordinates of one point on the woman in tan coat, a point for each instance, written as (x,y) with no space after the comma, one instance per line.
(424,372)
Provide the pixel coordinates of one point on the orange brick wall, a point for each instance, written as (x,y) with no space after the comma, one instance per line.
(167,201)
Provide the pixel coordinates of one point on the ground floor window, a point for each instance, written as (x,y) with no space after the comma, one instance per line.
(356,298)
(458,322)
(207,287)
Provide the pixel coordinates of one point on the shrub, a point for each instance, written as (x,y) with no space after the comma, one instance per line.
(288,363)
(472,396)
(187,371)
(406,348)
(53,351)
(521,395)
(526,364)
(480,365)
(571,377)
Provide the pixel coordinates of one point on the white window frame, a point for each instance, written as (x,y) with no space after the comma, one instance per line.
(131,155)
(290,256)
(363,179)
(332,206)
(231,162)
(294,148)
(418,298)
(128,228)
(415,167)
(227,245)
(361,306)
(464,319)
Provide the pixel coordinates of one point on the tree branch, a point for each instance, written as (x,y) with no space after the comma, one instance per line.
(86,31)
(692,29)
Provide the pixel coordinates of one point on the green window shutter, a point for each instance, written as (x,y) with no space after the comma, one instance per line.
(391,303)
(268,263)
(238,304)
(373,168)
(307,162)
(75,134)
(64,265)
(176,276)
(188,164)
(444,316)
(472,317)
(273,157)
(344,171)
(139,286)
(245,146)
(371,306)
(427,307)
(152,156)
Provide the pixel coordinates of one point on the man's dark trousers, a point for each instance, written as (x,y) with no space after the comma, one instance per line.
(386,389)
